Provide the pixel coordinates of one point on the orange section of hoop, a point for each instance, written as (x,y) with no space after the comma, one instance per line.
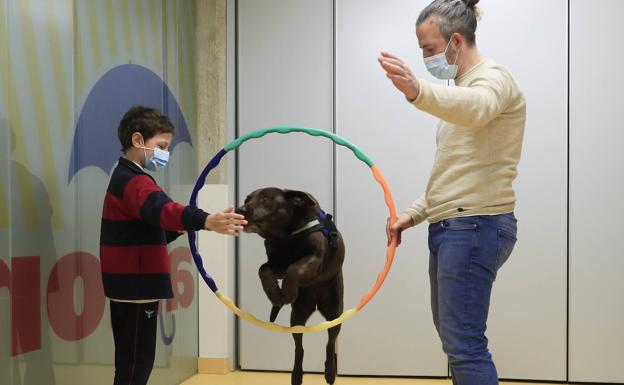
(393,244)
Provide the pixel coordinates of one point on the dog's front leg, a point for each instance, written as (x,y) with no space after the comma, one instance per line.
(272,289)
(305,268)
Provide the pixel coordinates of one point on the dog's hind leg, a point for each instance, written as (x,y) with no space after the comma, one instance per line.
(275,309)
(331,307)
(331,358)
(302,309)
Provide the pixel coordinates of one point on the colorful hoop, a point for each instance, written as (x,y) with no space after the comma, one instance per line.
(389,252)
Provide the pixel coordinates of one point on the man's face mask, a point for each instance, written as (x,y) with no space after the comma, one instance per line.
(438,66)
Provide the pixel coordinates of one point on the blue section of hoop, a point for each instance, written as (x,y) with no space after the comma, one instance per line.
(214,162)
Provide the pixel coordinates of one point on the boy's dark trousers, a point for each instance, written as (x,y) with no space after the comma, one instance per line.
(134,331)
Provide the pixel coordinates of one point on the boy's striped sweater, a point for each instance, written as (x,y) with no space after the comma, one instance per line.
(138,220)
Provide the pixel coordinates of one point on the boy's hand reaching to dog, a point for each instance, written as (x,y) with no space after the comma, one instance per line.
(225,222)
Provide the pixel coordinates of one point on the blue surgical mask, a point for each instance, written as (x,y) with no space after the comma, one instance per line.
(157,161)
(438,66)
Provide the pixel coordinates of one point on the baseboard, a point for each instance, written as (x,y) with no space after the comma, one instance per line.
(213,365)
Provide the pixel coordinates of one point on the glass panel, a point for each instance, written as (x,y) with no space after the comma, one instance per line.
(68,71)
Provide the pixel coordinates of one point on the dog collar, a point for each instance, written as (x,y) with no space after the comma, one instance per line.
(306,227)
(323,223)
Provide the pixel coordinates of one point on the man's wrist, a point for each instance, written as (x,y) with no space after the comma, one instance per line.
(416,92)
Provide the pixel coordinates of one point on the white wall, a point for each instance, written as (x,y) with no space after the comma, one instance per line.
(285,74)
(214,318)
(372,114)
(596,191)
(528,307)
(401,141)
(285,54)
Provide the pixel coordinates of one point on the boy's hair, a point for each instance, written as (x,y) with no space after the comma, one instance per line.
(148,121)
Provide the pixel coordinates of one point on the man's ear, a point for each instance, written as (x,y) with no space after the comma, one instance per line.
(458,41)
(299,198)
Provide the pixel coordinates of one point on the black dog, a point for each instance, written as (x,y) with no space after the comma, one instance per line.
(306,251)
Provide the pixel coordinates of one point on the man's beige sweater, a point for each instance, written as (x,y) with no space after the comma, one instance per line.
(479,141)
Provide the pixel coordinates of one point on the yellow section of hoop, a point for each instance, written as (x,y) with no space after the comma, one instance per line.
(283,329)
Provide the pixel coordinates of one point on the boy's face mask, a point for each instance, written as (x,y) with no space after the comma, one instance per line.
(158,161)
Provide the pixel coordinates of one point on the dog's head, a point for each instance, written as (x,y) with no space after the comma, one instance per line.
(275,213)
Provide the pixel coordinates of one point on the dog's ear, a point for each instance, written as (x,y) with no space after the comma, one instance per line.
(299,198)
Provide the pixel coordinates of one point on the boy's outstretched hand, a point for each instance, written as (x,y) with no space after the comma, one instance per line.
(225,222)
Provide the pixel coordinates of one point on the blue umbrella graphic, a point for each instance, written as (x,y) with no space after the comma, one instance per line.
(95,138)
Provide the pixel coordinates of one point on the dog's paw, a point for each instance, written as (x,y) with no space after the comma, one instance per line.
(274,312)
(330,378)
(296,378)
(330,370)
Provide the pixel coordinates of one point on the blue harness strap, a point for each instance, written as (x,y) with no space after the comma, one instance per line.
(327,226)
(329,229)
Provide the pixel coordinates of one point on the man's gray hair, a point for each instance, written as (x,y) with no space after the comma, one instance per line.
(453,16)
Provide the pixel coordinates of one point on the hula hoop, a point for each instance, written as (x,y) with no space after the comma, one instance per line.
(389,251)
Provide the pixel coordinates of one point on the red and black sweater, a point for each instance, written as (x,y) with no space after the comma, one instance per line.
(138,220)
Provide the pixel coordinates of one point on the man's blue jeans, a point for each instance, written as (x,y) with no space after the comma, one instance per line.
(465,254)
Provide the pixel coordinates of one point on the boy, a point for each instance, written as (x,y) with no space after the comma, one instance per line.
(138,221)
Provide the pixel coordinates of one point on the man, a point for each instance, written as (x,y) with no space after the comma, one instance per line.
(469,199)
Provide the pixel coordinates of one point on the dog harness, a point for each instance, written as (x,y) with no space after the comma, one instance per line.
(323,223)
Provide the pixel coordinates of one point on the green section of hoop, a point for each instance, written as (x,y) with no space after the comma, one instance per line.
(308,130)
